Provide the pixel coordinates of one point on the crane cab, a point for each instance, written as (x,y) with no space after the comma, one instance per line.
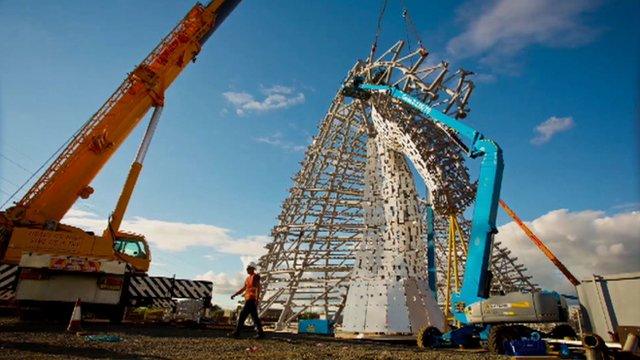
(134,249)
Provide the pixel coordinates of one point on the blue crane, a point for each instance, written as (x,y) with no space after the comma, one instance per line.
(472,307)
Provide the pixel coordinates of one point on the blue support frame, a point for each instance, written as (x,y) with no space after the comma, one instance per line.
(477,277)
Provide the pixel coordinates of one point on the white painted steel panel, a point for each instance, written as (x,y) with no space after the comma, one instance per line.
(390,262)
(66,288)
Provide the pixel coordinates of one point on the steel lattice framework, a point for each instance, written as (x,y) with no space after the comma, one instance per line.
(308,263)
(508,274)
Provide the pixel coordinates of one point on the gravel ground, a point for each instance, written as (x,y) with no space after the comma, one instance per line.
(40,341)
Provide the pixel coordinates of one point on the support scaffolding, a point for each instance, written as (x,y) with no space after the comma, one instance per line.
(308,263)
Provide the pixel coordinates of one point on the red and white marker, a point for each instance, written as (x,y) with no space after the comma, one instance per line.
(76,318)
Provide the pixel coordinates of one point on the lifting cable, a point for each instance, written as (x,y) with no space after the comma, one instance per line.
(374,45)
(410,27)
(59,150)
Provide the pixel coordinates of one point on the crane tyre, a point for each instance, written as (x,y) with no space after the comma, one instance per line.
(116,314)
(428,337)
(563,331)
(498,336)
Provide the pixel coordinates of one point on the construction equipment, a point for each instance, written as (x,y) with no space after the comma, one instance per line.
(547,252)
(609,305)
(472,307)
(330,216)
(59,263)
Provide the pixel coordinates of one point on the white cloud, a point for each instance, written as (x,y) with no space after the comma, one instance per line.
(237,98)
(77,213)
(246,259)
(278,89)
(484,78)
(275,97)
(278,141)
(629,206)
(550,127)
(587,242)
(175,236)
(223,284)
(501,29)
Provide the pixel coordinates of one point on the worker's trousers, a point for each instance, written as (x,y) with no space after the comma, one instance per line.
(250,308)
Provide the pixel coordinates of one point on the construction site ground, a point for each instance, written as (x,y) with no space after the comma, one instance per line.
(38,340)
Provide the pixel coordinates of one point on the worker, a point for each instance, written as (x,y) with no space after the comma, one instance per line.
(251,291)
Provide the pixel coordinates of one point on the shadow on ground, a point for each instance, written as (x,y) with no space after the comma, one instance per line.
(88,352)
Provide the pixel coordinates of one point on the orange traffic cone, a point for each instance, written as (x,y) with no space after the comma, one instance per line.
(76,318)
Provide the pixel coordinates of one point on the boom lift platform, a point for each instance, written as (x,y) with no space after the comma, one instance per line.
(484,320)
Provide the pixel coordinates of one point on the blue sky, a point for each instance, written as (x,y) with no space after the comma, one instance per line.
(235,123)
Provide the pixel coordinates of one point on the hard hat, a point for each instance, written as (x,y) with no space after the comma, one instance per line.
(252,265)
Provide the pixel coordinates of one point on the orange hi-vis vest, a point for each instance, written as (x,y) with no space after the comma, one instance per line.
(251,288)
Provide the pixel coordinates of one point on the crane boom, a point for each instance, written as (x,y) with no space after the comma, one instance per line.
(477,277)
(70,174)
(472,305)
(64,263)
(541,245)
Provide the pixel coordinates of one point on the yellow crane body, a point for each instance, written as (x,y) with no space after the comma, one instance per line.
(31,235)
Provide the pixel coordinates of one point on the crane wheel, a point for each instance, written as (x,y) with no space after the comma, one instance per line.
(498,337)
(116,314)
(563,331)
(429,337)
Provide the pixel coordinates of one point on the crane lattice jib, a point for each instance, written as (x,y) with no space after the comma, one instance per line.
(70,174)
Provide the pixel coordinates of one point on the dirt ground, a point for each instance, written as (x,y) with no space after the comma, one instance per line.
(50,341)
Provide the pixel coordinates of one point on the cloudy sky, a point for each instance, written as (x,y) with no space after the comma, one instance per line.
(556,88)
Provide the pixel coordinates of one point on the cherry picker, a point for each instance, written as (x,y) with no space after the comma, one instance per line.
(484,319)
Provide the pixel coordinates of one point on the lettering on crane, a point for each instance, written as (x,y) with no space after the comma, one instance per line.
(53,241)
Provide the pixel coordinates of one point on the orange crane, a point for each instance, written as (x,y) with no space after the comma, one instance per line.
(541,245)
(58,262)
